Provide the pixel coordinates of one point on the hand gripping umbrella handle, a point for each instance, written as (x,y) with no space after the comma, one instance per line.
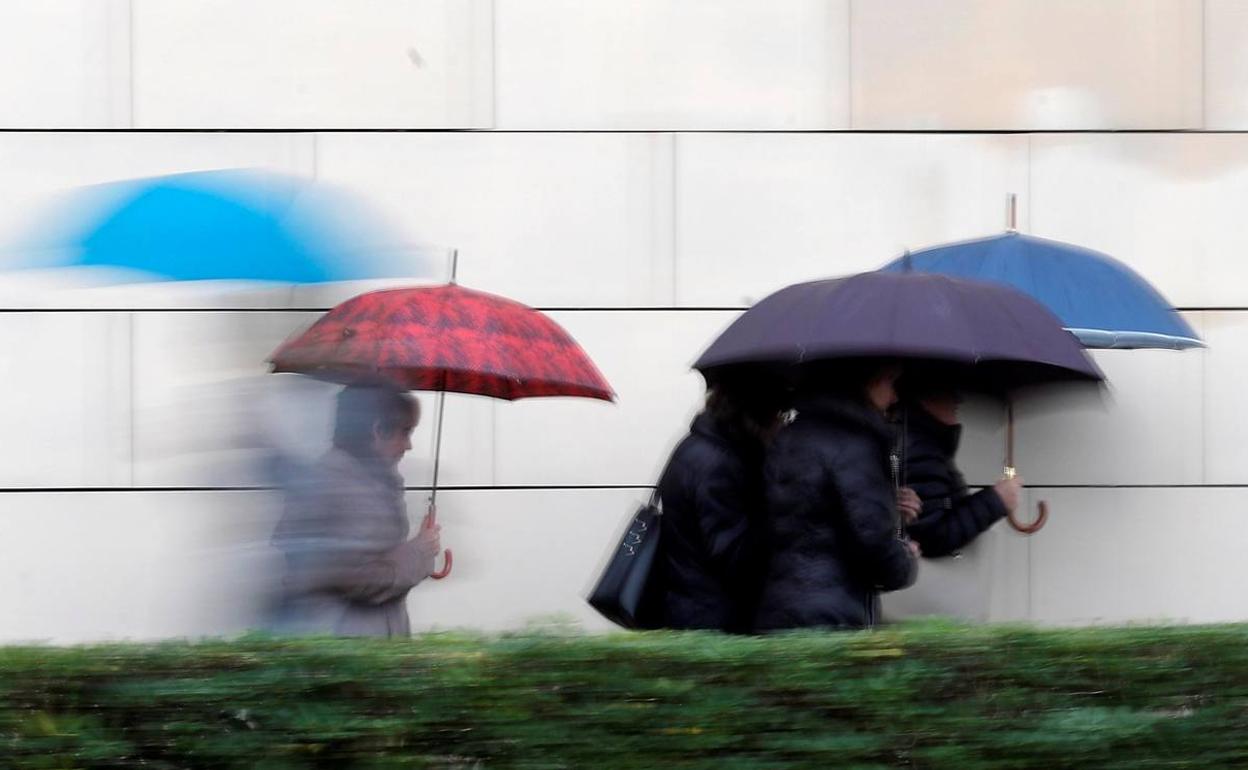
(1035,526)
(430,520)
(438,574)
(1010,472)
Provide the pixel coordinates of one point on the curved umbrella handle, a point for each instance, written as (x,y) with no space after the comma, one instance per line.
(1035,526)
(446,568)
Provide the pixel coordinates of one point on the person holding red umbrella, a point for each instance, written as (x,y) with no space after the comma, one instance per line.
(446,339)
(344,533)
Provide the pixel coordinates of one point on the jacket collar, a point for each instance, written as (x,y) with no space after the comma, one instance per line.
(734,436)
(847,411)
(372,467)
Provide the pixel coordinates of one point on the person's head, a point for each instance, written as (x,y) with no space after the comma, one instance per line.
(933,390)
(375,422)
(942,406)
(750,400)
(871,382)
(881,387)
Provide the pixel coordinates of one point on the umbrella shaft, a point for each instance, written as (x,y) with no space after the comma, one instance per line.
(437,447)
(1009,439)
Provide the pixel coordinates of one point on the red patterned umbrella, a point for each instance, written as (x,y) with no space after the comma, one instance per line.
(444,338)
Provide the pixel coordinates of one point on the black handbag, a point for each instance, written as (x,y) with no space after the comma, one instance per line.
(629,591)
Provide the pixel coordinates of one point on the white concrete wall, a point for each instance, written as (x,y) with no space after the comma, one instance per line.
(615,204)
(644,65)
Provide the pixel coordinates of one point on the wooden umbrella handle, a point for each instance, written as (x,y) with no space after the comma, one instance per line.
(446,567)
(1035,526)
(431,520)
(1010,472)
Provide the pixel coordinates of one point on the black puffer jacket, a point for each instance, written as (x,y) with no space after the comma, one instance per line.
(952,517)
(712,502)
(832,519)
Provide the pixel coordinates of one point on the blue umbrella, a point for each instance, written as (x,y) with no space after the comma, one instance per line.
(216,225)
(1100,300)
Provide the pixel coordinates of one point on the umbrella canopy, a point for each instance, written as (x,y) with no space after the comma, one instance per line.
(1100,300)
(215,225)
(1011,339)
(445,338)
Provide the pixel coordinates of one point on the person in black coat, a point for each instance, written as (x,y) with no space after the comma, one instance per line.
(949,515)
(833,527)
(712,500)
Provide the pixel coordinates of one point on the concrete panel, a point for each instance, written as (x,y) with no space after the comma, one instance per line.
(757,212)
(127,565)
(1226,383)
(66,413)
(569,220)
(1062,64)
(65,64)
(652,64)
(645,355)
(1226,65)
(1148,428)
(522,557)
(1120,555)
(312,64)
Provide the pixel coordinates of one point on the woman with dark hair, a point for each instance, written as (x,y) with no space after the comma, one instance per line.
(712,502)
(344,533)
(833,528)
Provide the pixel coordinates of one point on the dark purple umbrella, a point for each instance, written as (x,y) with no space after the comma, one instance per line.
(1011,339)
(999,339)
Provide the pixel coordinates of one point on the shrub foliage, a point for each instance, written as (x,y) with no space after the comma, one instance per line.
(928,695)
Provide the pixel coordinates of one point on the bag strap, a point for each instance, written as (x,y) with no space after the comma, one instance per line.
(656,499)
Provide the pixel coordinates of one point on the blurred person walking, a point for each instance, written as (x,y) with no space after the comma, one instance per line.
(713,505)
(349,563)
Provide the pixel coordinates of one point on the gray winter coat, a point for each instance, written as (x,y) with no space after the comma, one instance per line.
(349,563)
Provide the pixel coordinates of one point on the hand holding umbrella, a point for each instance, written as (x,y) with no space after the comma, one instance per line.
(431,530)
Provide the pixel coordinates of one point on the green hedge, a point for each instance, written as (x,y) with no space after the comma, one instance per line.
(931,695)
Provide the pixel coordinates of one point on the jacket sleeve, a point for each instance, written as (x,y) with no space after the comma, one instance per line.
(364,577)
(380,578)
(949,524)
(341,552)
(870,512)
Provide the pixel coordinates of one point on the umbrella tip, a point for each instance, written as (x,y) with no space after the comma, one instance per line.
(907,264)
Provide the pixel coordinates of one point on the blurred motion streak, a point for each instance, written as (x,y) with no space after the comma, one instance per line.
(181,392)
